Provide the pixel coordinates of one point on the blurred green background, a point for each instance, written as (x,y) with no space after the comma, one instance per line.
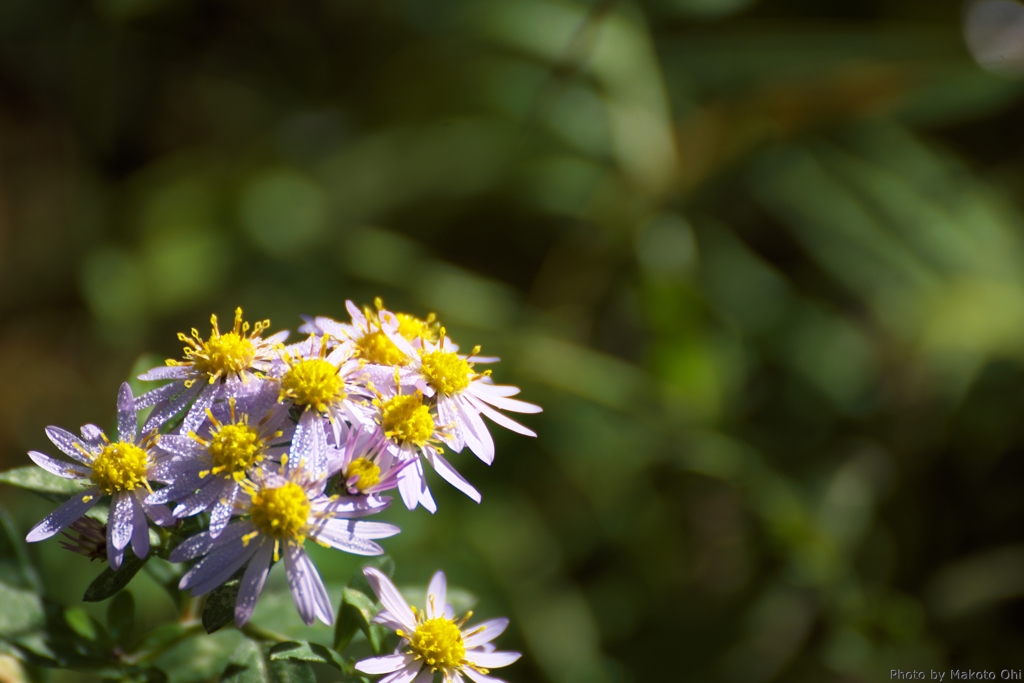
(761,263)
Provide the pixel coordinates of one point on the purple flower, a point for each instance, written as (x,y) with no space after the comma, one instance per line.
(221,365)
(121,470)
(284,509)
(205,470)
(432,640)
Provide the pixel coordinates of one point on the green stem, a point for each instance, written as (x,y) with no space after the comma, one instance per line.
(258,633)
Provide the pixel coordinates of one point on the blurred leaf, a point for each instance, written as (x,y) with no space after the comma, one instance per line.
(354,615)
(308,652)
(81,623)
(219,610)
(250,663)
(15,568)
(21,611)
(121,618)
(198,657)
(40,481)
(110,582)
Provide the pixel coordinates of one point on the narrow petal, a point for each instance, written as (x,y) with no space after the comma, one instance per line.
(221,514)
(410,481)
(307,587)
(384,665)
(122,519)
(127,421)
(151,398)
(498,418)
(448,416)
(478,438)
(61,469)
(164,411)
(115,556)
(68,512)
(252,583)
(217,567)
(140,527)
(197,413)
(407,674)
(384,618)
(390,598)
(492,660)
(485,392)
(484,632)
(200,544)
(69,444)
(437,595)
(162,372)
(343,539)
(449,474)
(478,677)
(309,445)
(179,445)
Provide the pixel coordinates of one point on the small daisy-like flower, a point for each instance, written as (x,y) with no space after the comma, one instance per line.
(366,332)
(220,365)
(432,640)
(463,395)
(121,469)
(205,472)
(284,509)
(321,384)
(411,429)
(362,463)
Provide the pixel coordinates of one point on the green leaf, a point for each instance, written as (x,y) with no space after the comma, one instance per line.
(195,656)
(15,568)
(308,652)
(81,623)
(21,611)
(219,610)
(40,481)
(121,618)
(110,582)
(250,663)
(356,613)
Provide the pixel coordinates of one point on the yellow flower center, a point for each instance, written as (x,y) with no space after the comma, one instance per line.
(406,419)
(438,642)
(224,354)
(281,513)
(120,467)
(313,383)
(235,449)
(375,347)
(411,327)
(368,473)
(446,372)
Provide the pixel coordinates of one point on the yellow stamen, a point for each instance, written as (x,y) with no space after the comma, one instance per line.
(446,372)
(120,467)
(221,354)
(406,419)
(438,642)
(313,384)
(368,473)
(281,513)
(235,448)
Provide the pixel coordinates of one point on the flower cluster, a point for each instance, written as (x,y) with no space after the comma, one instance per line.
(278,444)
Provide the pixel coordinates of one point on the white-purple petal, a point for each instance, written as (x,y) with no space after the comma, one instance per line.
(197,413)
(484,632)
(390,598)
(450,475)
(385,665)
(202,543)
(140,528)
(127,422)
(252,583)
(307,588)
(63,516)
(437,595)
(69,444)
(60,468)
(492,660)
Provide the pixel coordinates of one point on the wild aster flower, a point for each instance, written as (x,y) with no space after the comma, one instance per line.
(366,332)
(463,395)
(321,384)
(221,365)
(120,470)
(284,509)
(206,471)
(362,463)
(432,640)
(90,539)
(411,429)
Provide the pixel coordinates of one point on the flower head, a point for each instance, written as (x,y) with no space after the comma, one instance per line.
(121,469)
(206,469)
(283,507)
(221,365)
(432,639)
(366,332)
